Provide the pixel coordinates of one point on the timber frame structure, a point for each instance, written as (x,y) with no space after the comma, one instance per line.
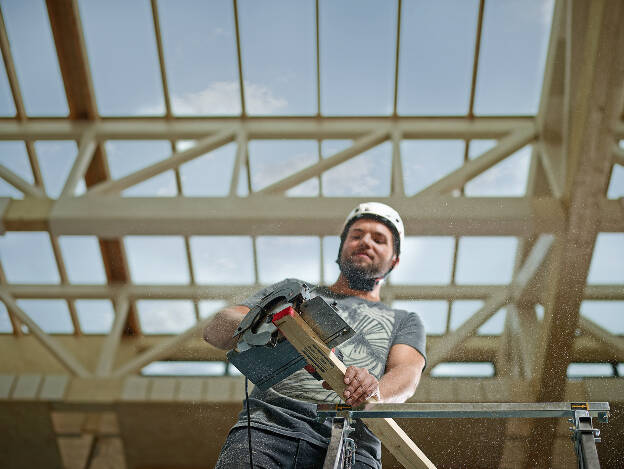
(78,397)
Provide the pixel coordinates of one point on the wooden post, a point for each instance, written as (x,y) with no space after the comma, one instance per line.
(305,340)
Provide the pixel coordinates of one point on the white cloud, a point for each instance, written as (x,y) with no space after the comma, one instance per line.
(508,178)
(267,174)
(165,316)
(260,99)
(358,176)
(223,97)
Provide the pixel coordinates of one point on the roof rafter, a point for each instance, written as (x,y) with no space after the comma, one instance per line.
(20,184)
(359,146)
(74,65)
(10,70)
(118,216)
(283,127)
(505,147)
(205,145)
(499,299)
(67,359)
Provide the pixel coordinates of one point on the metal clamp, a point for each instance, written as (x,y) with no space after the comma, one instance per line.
(341,448)
(585,437)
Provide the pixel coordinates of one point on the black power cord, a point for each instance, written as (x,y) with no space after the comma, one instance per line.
(248,421)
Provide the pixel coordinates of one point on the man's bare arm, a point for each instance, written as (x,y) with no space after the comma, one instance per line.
(221,328)
(403,369)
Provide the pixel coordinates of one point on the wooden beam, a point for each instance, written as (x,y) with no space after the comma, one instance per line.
(117,216)
(57,350)
(492,305)
(239,162)
(230,292)
(9,66)
(600,94)
(602,335)
(205,145)
(597,94)
(553,176)
(72,56)
(618,154)
(215,291)
(550,118)
(525,331)
(74,65)
(515,291)
(359,146)
(161,58)
(505,147)
(109,348)
(161,350)
(86,150)
(239,59)
(509,360)
(397,56)
(60,264)
(475,62)
(294,127)
(25,354)
(530,266)
(317,354)
(20,184)
(398,183)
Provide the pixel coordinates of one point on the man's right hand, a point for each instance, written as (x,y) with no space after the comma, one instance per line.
(220,329)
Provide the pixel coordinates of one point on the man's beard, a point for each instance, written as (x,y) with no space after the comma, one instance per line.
(361,277)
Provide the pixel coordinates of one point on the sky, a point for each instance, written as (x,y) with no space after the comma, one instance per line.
(357,50)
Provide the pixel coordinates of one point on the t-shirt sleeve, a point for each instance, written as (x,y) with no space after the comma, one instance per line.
(411,331)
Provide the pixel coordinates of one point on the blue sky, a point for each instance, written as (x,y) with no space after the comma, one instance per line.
(357,57)
(279,65)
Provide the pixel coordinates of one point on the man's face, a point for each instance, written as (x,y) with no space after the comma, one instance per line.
(368,249)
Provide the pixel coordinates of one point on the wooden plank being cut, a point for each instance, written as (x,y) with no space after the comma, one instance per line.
(305,340)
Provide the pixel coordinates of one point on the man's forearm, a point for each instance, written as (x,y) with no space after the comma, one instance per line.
(220,330)
(399,384)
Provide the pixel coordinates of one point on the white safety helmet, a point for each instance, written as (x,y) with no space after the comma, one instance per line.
(381,212)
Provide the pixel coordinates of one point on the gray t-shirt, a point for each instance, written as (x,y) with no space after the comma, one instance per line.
(289,407)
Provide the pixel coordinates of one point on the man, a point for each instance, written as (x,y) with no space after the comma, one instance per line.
(385,358)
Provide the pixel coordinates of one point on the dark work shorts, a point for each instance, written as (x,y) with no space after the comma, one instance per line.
(271,451)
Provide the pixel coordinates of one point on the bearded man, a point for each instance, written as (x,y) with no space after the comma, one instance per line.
(385,357)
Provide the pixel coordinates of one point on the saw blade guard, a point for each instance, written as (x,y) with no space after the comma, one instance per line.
(264,356)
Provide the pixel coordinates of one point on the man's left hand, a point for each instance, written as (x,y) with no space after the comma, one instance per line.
(360,385)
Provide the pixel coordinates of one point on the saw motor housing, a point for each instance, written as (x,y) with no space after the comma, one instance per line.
(262,354)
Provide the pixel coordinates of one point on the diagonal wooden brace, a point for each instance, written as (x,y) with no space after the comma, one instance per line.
(305,340)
